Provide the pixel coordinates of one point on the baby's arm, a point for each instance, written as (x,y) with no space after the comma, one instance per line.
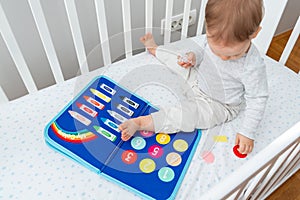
(255,84)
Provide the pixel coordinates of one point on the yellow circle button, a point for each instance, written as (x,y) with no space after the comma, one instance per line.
(180,145)
(147,165)
(163,138)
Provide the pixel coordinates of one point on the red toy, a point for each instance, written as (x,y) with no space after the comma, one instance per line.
(237,153)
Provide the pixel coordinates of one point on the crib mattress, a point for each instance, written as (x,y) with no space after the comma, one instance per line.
(32,170)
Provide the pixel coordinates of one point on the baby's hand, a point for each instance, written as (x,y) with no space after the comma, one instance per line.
(187,60)
(245,144)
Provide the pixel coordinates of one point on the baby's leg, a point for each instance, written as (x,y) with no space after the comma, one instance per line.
(129,127)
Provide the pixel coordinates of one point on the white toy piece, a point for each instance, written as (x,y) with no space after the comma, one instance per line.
(184,58)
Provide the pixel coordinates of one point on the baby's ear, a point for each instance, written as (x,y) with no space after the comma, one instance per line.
(253,35)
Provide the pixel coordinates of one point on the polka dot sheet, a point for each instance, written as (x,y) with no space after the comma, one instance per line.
(32,170)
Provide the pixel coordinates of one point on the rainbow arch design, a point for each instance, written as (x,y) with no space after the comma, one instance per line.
(74,137)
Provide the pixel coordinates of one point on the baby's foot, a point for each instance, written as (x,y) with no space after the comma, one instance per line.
(149,43)
(128,128)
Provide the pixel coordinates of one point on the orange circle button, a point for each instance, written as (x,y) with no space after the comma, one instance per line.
(129,156)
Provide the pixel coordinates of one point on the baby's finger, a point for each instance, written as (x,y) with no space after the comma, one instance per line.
(186,65)
(250,149)
(241,148)
(246,151)
(180,63)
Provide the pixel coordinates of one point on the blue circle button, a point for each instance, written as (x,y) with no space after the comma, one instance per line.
(138,143)
(166,174)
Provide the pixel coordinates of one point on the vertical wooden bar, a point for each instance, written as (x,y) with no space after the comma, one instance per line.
(167,32)
(127,27)
(42,27)
(15,52)
(186,15)
(149,16)
(201,17)
(76,34)
(291,42)
(102,27)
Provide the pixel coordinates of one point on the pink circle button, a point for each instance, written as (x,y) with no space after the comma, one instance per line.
(146,133)
(155,151)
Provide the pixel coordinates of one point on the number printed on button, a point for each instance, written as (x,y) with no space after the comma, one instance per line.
(147,165)
(166,174)
(138,143)
(155,151)
(129,157)
(163,138)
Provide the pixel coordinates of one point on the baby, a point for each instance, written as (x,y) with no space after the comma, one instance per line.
(227,75)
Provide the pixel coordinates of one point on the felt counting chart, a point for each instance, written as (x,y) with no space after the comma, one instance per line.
(86,130)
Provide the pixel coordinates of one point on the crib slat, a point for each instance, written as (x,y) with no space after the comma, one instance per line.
(127,27)
(283,166)
(201,17)
(3,97)
(149,15)
(76,34)
(102,26)
(15,52)
(42,27)
(167,31)
(185,23)
(269,24)
(291,42)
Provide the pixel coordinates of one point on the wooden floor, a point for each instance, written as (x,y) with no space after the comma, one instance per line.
(290,190)
(276,48)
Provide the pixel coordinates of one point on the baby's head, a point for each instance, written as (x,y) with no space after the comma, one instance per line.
(231,25)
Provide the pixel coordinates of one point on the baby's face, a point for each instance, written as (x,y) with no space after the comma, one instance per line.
(228,51)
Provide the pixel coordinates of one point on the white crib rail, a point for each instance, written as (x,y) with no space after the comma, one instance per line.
(15,52)
(257,178)
(201,17)
(44,32)
(185,23)
(291,42)
(149,16)
(167,31)
(127,27)
(269,24)
(76,34)
(102,27)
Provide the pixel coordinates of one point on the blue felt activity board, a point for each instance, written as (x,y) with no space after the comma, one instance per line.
(86,130)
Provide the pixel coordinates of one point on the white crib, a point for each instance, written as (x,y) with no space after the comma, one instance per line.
(256,178)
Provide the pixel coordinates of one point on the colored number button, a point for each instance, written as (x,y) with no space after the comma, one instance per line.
(147,165)
(129,156)
(163,138)
(138,143)
(146,133)
(180,145)
(173,159)
(155,151)
(166,174)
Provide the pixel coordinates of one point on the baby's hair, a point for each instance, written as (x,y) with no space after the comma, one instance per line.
(233,20)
